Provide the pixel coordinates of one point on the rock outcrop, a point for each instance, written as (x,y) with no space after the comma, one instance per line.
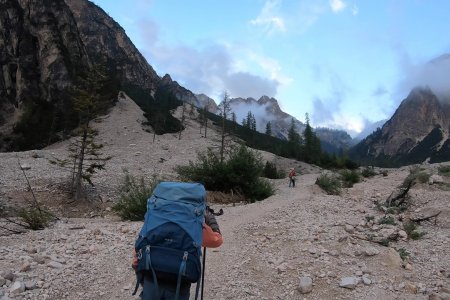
(418,131)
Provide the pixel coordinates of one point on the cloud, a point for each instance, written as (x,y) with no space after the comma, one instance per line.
(434,74)
(337,5)
(327,108)
(272,67)
(210,69)
(258,111)
(268,18)
(369,127)
(379,91)
(322,112)
(247,85)
(355,10)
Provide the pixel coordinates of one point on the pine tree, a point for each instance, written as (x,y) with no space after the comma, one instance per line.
(312,147)
(233,117)
(269,128)
(225,109)
(294,141)
(253,123)
(89,100)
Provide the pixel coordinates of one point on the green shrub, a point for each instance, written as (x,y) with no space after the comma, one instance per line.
(387,220)
(415,235)
(385,173)
(330,184)
(349,177)
(403,253)
(271,171)
(133,197)
(411,230)
(35,218)
(368,172)
(384,242)
(444,170)
(262,190)
(239,173)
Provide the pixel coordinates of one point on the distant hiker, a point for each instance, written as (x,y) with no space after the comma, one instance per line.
(292,178)
(168,249)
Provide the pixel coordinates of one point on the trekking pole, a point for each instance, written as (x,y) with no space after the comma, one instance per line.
(203,275)
(204,250)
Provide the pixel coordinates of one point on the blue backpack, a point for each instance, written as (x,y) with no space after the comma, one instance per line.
(169,244)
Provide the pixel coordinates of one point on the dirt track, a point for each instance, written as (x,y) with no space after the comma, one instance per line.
(269,245)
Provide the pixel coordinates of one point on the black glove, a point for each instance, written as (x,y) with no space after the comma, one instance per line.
(210,220)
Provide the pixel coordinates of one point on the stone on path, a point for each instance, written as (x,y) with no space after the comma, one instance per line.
(305,285)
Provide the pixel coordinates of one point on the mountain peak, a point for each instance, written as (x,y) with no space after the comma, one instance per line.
(417,131)
(166,79)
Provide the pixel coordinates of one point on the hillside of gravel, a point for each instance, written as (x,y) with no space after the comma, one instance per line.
(298,244)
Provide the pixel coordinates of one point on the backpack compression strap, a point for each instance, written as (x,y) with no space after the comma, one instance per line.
(148,266)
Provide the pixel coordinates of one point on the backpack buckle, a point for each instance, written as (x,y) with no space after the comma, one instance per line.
(139,254)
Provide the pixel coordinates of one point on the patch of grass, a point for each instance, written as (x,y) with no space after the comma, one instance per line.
(349,177)
(416,174)
(329,183)
(368,172)
(133,197)
(395,210)
(444,186)
(444,171)
(387,220)
(403,253)
(423,177)
(370,218)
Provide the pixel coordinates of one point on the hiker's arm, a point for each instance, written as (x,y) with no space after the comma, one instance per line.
(134,264)
(211,239)
(211,221)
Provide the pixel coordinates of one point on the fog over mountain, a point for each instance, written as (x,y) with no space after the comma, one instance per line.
(369,128)
(434,74)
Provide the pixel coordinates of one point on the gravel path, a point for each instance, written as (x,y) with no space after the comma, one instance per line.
(300,239)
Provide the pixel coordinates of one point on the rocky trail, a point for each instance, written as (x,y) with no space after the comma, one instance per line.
(298,244)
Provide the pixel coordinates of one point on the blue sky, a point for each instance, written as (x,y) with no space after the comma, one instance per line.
(346,63)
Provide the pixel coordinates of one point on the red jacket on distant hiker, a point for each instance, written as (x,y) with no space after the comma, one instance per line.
(292,175)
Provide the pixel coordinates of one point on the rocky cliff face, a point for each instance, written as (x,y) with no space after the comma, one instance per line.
(40,51)
(106,41)
(418,130)
(45,46)
(205,101)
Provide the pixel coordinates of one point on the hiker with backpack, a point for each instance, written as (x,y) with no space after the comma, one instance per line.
(168,248)
(292,178)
